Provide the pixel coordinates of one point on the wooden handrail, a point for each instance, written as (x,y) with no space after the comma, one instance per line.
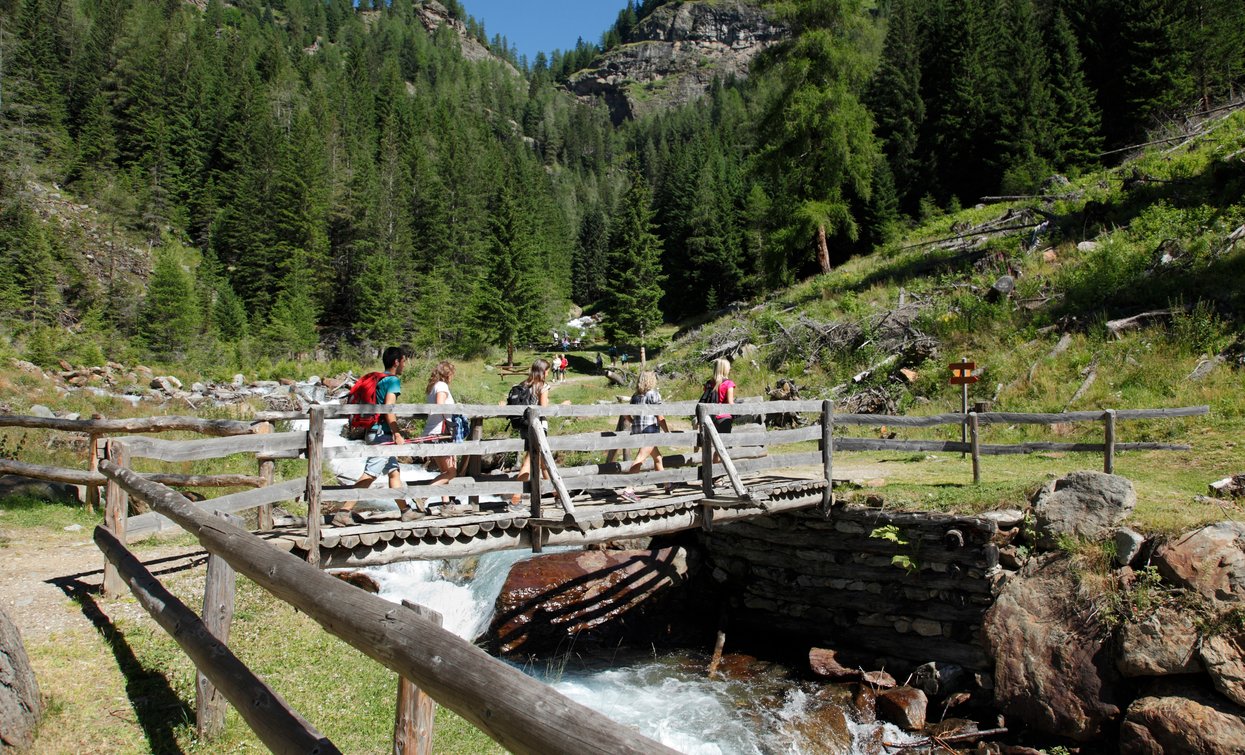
(278,725)
(214,427)
(493,696)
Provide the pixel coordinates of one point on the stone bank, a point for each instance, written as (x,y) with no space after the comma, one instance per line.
(907,588)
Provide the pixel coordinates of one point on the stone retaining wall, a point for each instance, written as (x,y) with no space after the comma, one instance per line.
(825,579)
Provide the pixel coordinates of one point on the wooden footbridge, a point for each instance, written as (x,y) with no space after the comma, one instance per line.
(572,499)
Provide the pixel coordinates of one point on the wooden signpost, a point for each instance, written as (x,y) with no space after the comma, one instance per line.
(962,375)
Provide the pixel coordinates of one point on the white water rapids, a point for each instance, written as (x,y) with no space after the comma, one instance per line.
(667,697)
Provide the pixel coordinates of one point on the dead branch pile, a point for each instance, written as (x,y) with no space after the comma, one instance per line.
(967,237)
(726,344)
(875,400)
(892,333)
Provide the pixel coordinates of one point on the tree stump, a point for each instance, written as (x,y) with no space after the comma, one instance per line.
(20,706)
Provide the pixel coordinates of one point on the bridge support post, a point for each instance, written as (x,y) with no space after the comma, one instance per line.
(706,465)
(412,727)
(315,466)
(92,465)
(827,454)
(532,440)
(263,521)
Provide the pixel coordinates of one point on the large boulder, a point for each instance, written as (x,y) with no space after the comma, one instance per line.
(1210,560)
(1223,654)
(20,705)
(1087,505)
(1163,643)
(549,599)
(1053,668)
(1181,717)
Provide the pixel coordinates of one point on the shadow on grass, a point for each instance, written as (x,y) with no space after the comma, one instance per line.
(156,705)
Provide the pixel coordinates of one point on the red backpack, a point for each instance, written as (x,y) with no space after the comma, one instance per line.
(364,392)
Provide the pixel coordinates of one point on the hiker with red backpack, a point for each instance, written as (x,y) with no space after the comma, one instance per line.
(378,388)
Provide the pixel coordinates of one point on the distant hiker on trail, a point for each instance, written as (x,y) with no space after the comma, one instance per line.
(379,388)
(613,355)
(440,424)
(600,363)
(533,391)
(555,365)
(642,424)
(563,363)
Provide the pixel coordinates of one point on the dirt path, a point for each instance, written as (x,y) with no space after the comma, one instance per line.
(88,675)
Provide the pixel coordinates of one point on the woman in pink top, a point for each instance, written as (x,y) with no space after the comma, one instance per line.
(724,390)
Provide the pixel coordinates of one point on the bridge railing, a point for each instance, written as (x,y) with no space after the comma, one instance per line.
(99,429)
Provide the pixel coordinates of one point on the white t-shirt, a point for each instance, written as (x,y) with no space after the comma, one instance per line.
(436,422)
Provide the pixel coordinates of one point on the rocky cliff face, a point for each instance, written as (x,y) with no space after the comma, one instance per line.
(673,55)
(433,14)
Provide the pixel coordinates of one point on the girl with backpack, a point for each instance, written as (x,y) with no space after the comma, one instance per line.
(440,423)
(533,391)
(643,424)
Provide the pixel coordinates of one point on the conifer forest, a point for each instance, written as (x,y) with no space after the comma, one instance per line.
(269,178)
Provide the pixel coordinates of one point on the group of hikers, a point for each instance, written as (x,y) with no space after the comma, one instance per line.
(383,388)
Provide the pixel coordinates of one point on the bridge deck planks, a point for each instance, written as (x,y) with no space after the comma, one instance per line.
(603,515)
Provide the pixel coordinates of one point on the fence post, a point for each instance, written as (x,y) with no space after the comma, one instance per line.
(412,727)
(532,445)
(827,454)
(473,461)
(315,465)
(92,465)
(1108,448)
(975,439)
(706,465)
(218,602)
(116,509)
(264,513)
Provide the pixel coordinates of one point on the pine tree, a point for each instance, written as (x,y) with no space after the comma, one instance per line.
(895,100)
(633,308)
(1026,122)
(291,329)
(168,317)
(1077,123)
(508,304)
(590,280)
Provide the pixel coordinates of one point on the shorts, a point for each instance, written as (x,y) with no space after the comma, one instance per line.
(379,466)
(723,424)
(645,430)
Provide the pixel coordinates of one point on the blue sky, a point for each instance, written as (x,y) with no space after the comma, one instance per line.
(533,26)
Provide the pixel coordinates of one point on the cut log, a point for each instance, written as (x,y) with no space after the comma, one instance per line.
(1118,327)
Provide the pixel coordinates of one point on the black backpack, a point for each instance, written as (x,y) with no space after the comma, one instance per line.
(521,395)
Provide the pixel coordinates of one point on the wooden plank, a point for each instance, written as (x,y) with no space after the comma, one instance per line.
(454,488)
(551,464)
(214,427)
(92,466)
(276,724)
(153,523)
(52,474)
(214,448)
(267,472)
(116,510)
(706,464)
(358,450)
(416,711)
(205,480)
(218,602)
(315,467)
(827,452)
(731,473)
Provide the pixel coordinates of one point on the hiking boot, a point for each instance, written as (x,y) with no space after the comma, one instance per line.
(342,518)
(411,514)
